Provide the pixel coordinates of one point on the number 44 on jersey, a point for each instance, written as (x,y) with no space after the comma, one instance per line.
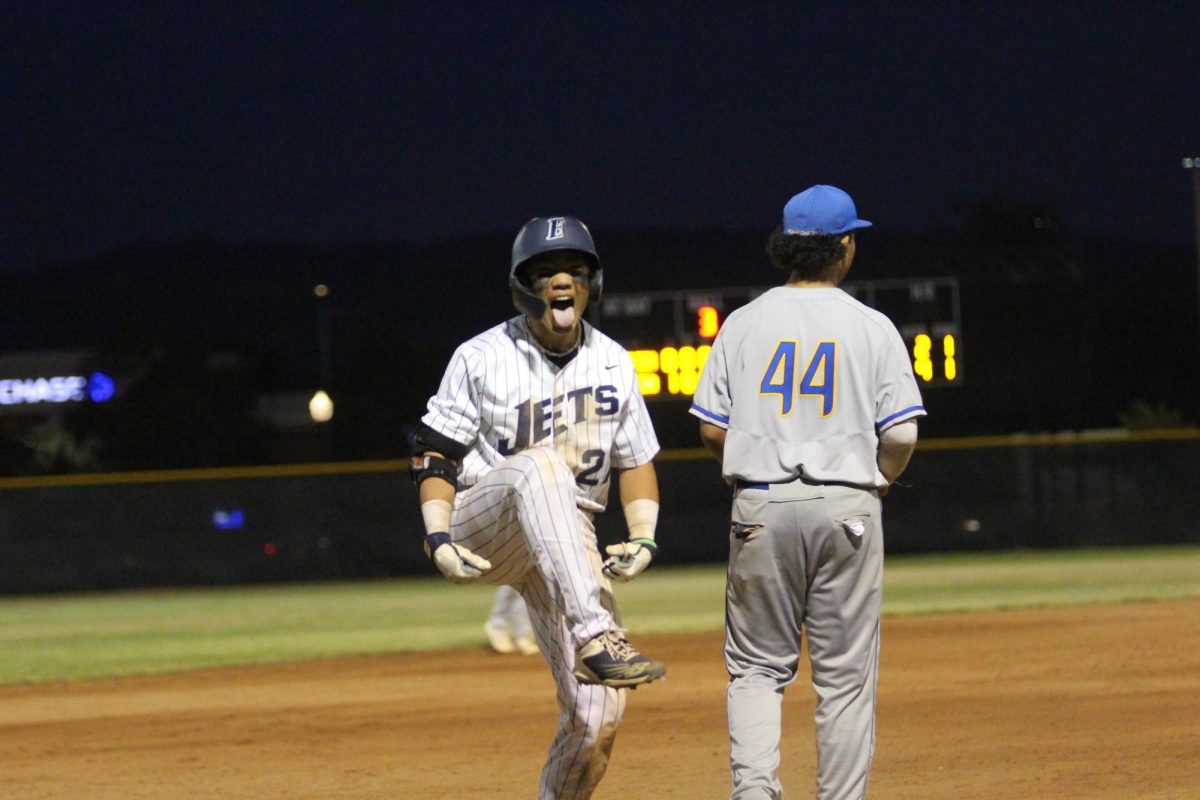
(817,379)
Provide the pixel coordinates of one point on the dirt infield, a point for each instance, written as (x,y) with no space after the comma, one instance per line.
(1091,703)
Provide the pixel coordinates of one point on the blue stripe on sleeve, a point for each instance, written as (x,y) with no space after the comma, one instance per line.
(700,411)
(911,409)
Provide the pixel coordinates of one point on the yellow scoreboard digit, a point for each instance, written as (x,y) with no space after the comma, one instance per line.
(949,356)
(645,362)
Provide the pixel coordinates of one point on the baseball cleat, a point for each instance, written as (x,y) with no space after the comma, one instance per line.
(500,639)
(609,659)
(526,645)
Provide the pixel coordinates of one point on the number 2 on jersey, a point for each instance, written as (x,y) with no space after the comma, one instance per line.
(595,460)
(819,378)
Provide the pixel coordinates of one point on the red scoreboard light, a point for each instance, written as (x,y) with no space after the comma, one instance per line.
(708,321)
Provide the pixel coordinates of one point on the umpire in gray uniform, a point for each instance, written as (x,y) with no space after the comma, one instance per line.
(808,401)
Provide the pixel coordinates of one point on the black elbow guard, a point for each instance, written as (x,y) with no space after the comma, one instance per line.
(422,465)
(425,466)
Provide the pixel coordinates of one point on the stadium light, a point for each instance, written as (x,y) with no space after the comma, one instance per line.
(320,407)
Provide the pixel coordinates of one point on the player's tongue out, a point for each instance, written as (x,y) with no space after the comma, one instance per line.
(562,311)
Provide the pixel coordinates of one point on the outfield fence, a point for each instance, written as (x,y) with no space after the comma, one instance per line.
(360,519)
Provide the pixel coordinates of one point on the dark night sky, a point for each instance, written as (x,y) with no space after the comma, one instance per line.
(324,122)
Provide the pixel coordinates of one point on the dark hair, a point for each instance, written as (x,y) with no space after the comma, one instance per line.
(810,258)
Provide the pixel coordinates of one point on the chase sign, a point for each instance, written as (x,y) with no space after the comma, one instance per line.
(95,388)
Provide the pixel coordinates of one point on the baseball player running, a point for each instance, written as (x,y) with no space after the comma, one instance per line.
(513,459)
(809,403)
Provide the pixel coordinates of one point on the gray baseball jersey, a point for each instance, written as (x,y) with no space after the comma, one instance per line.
(803,380)
(542,443)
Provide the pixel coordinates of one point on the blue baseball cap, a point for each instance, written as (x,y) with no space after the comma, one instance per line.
(821,211)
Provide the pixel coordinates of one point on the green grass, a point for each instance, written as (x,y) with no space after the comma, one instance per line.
(73,637)
(922,584)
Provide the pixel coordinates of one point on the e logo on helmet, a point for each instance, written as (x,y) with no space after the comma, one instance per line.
(554,228)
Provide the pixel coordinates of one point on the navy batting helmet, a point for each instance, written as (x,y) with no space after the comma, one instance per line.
(544,235)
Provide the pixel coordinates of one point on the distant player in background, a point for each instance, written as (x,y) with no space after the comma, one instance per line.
(513,459)
(508,628)
(808,401)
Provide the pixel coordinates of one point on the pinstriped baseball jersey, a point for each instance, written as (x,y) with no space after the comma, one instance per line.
(804,380)
(501,395)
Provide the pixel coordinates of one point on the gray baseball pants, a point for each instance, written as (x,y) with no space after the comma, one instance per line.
(803,557)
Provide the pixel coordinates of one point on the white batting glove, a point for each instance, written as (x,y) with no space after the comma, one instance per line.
(456,562)
(628,559)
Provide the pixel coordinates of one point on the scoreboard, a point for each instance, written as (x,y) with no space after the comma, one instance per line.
(669,334)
